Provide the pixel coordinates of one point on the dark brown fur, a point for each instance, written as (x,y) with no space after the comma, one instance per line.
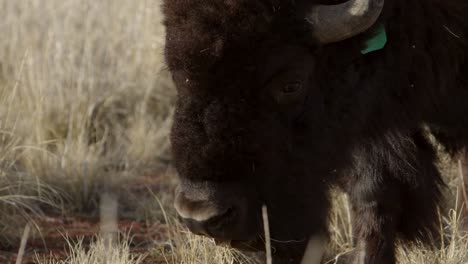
(357,125)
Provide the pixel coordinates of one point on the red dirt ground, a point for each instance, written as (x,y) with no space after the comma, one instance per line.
(51,241)
(53,229)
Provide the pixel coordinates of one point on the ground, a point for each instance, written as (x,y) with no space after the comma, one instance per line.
(85,110)
(52,230)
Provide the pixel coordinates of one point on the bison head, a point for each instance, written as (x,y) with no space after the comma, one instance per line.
(252,125)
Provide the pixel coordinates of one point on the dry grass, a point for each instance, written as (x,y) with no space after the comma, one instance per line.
(188,248)
(85,106)
(85,103)
(452,250)
(99,251)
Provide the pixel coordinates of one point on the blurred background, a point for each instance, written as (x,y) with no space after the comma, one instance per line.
(85,176)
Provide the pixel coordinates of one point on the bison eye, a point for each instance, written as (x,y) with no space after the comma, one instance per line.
(292,87)
(288,93)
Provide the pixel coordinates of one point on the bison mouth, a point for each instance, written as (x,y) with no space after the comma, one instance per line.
(246,245)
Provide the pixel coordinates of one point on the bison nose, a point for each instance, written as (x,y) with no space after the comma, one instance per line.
(201,215)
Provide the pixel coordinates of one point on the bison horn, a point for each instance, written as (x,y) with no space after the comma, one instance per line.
(333,23)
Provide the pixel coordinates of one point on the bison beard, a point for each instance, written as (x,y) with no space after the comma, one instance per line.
(274,110)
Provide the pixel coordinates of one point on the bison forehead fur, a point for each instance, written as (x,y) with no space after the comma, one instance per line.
(268,115)
(201,32)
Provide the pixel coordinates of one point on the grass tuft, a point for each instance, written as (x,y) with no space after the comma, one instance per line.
(98,252)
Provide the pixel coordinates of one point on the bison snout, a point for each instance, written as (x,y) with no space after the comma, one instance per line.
(204,216)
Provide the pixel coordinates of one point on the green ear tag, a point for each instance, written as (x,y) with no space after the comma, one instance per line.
(377,41)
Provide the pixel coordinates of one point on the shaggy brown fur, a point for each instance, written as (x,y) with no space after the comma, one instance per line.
(263,107)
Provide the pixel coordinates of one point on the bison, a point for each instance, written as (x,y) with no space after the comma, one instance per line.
(281,100)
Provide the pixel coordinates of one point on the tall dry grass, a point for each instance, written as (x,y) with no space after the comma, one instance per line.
(85,101)
(85,106)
